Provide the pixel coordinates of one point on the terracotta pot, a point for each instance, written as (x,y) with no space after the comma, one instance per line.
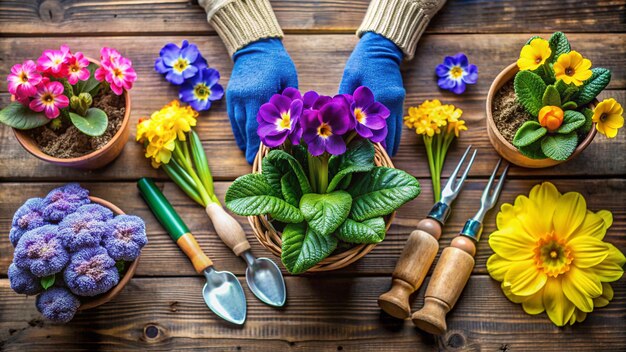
(95,160)
(92,302)
(508,150)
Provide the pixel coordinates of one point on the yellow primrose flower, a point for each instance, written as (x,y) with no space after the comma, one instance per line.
(160,148)
(608,116)
(457,127)
(534,54)
(176,118)
(550,255)
(572,68)
(429,118)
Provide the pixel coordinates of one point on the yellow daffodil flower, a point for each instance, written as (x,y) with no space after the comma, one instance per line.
(534,54)
(608,116)
(550,255)
(572,68)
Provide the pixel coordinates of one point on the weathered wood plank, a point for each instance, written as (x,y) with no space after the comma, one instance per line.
(25,17)
(322,314)
(162,258)
(490,52)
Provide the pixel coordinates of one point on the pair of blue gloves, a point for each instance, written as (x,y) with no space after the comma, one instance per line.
(264,68)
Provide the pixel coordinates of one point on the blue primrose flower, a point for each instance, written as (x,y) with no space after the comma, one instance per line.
(28,217)
(57,304)
(126,238)
(179,64)
(455,73)
(96,211)
(23,281)
(64,200)
(41,251)
(91,271)
(202,89)
(81,230)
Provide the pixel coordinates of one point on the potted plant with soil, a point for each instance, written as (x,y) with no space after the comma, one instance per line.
(323,191)
(70,110)
(542,110)
(74,251)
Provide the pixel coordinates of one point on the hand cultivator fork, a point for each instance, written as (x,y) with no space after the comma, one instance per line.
(456,264)
(422,247)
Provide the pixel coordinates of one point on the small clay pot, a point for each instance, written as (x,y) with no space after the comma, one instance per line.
(92,302)
(504,147)
(95,160)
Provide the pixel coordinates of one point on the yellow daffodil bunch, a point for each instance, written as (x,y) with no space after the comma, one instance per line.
(174,146)
(550,255)
(439,124)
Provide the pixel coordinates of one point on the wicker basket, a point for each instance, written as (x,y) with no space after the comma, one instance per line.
(271,239)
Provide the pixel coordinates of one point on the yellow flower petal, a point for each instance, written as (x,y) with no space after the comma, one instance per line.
(532,218)
(579,315)
(513,298)
(506,214)
(610,269)
(534,304)
(524,278)
(498,266)
(614,121)
(569,214)
(588,251)
(558,307)
(605,298)
(607,216)
(580,287)
(512,243)
(592,226)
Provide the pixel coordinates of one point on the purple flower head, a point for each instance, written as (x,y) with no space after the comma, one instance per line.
(202,89)
(41,251)
(91,272)
(23,282)
(96,211)
(57,304)
(311,100)
(369,116)
(65,200)
(280,118)
(323,129)
(455,72)
(126,237)
(179,64)
(81,230)
(29,216)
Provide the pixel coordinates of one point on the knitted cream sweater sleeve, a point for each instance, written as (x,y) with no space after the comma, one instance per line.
(401,21)
(239,22)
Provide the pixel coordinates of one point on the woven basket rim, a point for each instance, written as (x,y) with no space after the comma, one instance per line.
(270,238)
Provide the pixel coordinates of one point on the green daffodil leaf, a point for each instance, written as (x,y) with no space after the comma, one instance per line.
(302,247)
(600,78)
(325,212)
(559,45)
(94,123)
(358,158)
(572,120)
(559,146)
(368,231)
(21,117)
(529,89)
(551,96)
(528,133)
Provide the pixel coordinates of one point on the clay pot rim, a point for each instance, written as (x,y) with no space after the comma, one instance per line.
(92,302)
(495,86)
(21,135)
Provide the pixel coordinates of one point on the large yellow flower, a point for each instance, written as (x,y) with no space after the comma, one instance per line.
(572,68)
(549,254)
(534,54)
(608,116)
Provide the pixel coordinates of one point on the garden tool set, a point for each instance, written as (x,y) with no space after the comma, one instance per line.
(455,264)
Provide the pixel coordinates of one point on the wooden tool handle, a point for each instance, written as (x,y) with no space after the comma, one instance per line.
(229,229)
(193,251)
(416,258)
(448,280)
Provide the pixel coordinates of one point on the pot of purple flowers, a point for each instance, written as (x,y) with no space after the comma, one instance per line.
(74,251)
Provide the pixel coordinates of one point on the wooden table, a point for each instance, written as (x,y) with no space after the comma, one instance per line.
(162,309)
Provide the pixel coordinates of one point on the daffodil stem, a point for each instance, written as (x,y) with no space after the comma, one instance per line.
(179,179)
(428,143)
(182,160)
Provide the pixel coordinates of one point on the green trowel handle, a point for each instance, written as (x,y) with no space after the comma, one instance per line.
(162,209)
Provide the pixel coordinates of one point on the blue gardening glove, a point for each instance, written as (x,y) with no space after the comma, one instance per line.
(375,63)
(262,69)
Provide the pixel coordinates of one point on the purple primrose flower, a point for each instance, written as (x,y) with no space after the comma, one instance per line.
(126,238)
(28,217)
(323,129)
(57,304)
(202,89)
(311,100)
(91,271)
(96,211)
(41,251)
(279,118)
(369,115)
(455,72)
(22,281)
(179,64)
(81,230)
(65,200)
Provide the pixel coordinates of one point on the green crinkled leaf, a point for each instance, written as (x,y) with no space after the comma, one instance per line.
(533,150)
(358,158)
(381,191)
(325,212)
(572,120)
(280,162)
(559,146)
(368,231)
(599,79)
(528,133)
(570,105)
(301,154)
(529,89)
(290,189)
(251,195)
(546,72)
(302,247)
(47,281)
(89,85)
(559,45)
(21,117)
(94,123)
(586,127)
(569,93)
(551,96)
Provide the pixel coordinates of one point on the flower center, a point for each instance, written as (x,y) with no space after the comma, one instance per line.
(603,117)
(180,65)
(569,71)
(91,268)
(42,250)
(118,73)
(124,235)
(360,115)
(24,77)
(538,59)
(552,255)
(285,121)
(74,68)
(324,130)
(456,72)
(47,98)
(201,91)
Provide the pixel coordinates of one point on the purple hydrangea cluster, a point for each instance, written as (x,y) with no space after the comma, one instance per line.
(74,246)
(322,122)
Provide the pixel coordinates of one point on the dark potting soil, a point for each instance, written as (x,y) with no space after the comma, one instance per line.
(507,113)
(68,142)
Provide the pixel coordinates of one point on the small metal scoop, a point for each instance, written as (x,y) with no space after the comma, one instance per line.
(224,295)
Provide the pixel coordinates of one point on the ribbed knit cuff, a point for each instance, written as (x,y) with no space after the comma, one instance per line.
(401,21)
(240,22)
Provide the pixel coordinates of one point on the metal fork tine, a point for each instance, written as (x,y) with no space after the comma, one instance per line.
(496,192)
(487,189)
(449,187)
(466,172)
